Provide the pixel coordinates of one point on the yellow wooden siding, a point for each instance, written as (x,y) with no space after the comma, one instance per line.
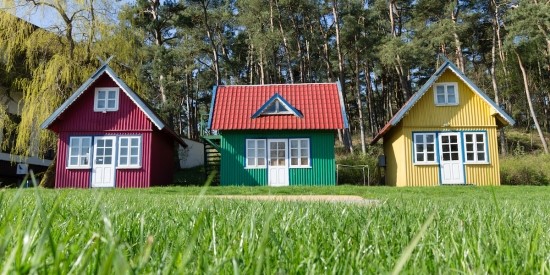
(486,174)
(418,175)
(395,164)
(471,114)
(428,175)
(471,111)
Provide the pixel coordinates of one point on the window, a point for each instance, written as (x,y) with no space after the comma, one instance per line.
(424,148)
(277,105)
(446,94)
(276,108)
(255,153)
(476,149)
(299,152)
(79,152)
(106,99)
(129,152)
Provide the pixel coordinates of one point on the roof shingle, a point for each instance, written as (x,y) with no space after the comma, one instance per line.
(320,104)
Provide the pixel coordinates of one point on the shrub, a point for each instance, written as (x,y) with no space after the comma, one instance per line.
(525,170)
(354,175)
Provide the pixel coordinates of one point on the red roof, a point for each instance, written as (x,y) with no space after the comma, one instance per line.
(320,104)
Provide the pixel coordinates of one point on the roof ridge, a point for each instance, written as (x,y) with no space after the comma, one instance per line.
(277,84)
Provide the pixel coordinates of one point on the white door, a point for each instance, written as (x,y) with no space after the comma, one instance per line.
(103,165)
(451,166)
(277,164)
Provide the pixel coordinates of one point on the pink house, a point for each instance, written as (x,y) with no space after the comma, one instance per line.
(108,137)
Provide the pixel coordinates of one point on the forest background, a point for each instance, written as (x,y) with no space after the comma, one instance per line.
(173,53)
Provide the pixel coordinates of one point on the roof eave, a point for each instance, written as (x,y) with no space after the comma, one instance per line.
(479,92)
(132,95)
(175,136)
(412,101)
(342,105)
(212,103)
(72,98)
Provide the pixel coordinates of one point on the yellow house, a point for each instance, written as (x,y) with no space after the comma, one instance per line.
(445,134)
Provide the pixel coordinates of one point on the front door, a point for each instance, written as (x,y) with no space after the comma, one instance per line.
(277,165)
(103,165)
(451,167)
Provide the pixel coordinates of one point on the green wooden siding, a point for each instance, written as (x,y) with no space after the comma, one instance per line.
(322,171)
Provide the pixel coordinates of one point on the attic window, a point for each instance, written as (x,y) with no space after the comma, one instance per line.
(276,108)
(106,100)
(446,94)
(277,105)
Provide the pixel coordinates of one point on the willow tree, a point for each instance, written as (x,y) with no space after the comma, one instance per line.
(57,61)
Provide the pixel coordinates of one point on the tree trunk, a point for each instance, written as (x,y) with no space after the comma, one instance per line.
(250,63)
(262,72)
(406,92)
(157,33)
(346,134)
(48,180)
(459,57)
(502,137)
(530,103)
(188,105)
(325,46)
(213,46)
(372,118)
(359,103)
(499,39)
(285,44)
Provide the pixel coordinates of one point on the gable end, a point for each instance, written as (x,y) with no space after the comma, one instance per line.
(95,76)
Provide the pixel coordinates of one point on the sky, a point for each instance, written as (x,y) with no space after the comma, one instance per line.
(40,16)
(43,16)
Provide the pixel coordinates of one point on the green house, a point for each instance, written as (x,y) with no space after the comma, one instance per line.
(277,135)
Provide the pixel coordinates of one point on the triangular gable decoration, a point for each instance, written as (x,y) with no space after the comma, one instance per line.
(277,105)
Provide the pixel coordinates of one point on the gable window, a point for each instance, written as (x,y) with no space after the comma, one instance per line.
(424,148)
(255,153)
(276,108)
(476,147)
(106,99)
(446,94)
(299,153)
(129,152)
(79,152)
(277,105)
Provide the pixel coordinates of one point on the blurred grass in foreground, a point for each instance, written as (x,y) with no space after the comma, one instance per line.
(177,230)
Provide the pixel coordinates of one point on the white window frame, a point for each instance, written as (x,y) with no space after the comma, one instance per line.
(80,155)
(474,150)
(107,91)
(445,86)
(280,108)
(299,149)
(128,154)
(424,152)
(255,156)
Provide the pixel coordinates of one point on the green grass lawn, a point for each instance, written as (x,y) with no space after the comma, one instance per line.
(175,230)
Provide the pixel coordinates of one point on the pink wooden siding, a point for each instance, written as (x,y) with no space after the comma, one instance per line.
(162,159)
(125,178)
(80,115)
(137,178)
(68,178)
